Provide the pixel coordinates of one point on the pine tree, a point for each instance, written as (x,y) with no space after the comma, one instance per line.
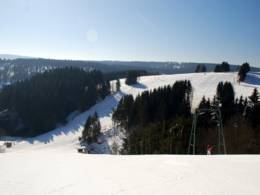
(118,85)
(226,96)
(96,126)
(91,129)
(255,96)
(86,133)
(243,70)
(201,68)
(223,67)
(217,68)
(219,90)
(255,117)
(131,77)
(203,103)
(241,105)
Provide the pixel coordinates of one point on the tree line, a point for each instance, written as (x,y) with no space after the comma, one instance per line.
(240,117)
(159,121)
(225,67)
(46,99)
(148,118)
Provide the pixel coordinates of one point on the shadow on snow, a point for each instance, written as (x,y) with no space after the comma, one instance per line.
(253,78)
(103,109)
(139,86)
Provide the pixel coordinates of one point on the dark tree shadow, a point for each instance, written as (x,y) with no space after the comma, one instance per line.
(103,109)
(253,78)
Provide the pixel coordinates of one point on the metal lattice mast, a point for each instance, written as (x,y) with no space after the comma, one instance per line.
(221,138)
(214,111)
(192,142)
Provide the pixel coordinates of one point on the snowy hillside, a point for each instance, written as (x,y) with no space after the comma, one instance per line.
(253,79)
(64,171)
(66,137)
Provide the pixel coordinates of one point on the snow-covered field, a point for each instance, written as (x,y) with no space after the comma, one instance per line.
(48,172)
(49,163)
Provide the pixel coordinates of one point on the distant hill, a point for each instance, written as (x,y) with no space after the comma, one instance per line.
(12,57)
(167,67)
(14,67)
(170,67)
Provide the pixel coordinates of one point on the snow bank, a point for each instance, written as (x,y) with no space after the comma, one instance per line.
(72,173)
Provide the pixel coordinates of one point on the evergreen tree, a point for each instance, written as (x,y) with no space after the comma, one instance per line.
(243,70)
(201,68)
(96,126)
(217,68)
(240,105)
(226,96)
(131,77)
(255,117)
(255,96)
(118,85)
(204,119)
(87,131)
(223,67)
(203,103)
(220,90)
(91,129)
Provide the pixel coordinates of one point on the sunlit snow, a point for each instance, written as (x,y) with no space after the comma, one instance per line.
(50,164)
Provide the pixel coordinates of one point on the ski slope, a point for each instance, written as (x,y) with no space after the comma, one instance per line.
(69,173)
(66,137)
(49,163)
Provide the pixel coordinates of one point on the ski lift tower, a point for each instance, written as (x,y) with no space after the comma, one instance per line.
(217,118)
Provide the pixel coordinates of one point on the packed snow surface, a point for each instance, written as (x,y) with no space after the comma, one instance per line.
(46,172)
(50,164)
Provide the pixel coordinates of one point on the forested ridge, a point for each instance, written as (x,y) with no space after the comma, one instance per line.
(46,99)
(20,69)
(148,118)
(159,121)
(155,122)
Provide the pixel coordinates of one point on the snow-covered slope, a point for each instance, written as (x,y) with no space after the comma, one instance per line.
(253,79)
(66,137)
(45,172)
(49,163)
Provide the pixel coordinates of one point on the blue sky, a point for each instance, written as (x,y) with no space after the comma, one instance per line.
(150,30)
